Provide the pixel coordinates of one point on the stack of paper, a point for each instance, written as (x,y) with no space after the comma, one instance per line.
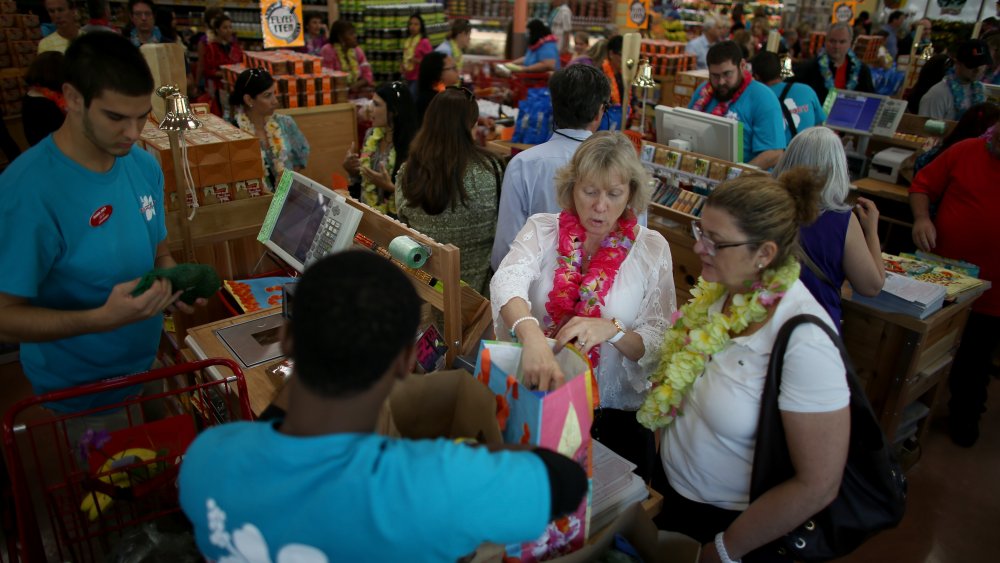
(909,296)
(616,487)
(954,281)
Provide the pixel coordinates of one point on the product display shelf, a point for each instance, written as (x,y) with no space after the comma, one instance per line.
(588,15)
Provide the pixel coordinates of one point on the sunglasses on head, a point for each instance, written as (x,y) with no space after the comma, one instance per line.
(397,88)
(252,74)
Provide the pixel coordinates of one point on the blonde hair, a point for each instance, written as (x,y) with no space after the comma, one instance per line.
(602,157)
(768,209)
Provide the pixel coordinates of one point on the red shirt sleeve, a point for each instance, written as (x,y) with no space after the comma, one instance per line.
(934,178)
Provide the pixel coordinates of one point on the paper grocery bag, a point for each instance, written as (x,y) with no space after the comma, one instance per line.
(166,62)
(559,420)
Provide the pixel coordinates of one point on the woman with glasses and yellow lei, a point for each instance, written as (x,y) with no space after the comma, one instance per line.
(706,392)
(253,102)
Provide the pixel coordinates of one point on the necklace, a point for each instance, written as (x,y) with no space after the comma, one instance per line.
(959,100)
(696,334)
(852,78)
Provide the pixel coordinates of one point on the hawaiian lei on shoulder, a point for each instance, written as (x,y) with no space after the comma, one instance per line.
(721,108)
(958,98)
(852,78)
(277,145)
(696,334)
(578,294)
(350,64)
(371,157)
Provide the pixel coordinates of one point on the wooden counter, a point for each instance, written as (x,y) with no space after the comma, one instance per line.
(882,189)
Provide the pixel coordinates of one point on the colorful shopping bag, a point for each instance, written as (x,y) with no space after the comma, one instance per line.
(559,420)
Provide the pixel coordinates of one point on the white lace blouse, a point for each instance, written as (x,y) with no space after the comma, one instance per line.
(642,299)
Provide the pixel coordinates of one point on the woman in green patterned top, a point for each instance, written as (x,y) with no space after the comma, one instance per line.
(449,187)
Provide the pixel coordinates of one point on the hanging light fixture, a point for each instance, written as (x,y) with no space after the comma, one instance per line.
(644,80)
(927,53)
(786,67)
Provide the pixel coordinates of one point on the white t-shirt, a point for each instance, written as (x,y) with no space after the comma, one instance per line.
(562,23)
(707,452)
(642,298)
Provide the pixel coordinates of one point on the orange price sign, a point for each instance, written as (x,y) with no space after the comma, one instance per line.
(281,21)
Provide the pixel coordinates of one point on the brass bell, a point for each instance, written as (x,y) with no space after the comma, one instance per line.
(786,67)
(644,75)
(178,116)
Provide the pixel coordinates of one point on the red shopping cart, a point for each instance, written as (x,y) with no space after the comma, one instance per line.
(82,480)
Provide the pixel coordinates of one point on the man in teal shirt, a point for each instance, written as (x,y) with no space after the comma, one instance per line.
(732,92)
(800,107)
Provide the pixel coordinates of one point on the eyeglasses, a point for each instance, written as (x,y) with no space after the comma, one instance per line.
(710,246)
(468,93)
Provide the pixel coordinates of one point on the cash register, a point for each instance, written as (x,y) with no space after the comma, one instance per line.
(863,115)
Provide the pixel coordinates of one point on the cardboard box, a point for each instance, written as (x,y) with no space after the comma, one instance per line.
(13,33)
(205,147)
(252,169)
(215,173)
(8,7)
(27,21)
(692,77)
(8,20)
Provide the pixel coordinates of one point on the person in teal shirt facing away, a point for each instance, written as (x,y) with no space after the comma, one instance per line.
(732,92)
(802,109)
(81,219)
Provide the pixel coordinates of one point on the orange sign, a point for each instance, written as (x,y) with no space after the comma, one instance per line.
(638,14)
(281,22)
(844,12)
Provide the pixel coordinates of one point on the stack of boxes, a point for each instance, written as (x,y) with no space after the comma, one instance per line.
(302,80)
(686,84)
(817,39)
(225,162)
(667,57)
(866,48)
(19,35)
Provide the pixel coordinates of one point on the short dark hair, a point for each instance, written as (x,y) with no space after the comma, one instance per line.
(578,91)
(251,82)
(459,27)
(766,66)
(218,20)
(536,31)
(46,71)
(896,15)
(419,18)
(615,44)
(724,51)
(132,4)
(338,29)
(354,312)
(103,60)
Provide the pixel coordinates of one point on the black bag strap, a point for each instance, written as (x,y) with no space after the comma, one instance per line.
(772,448)
(814,268)
(784,109)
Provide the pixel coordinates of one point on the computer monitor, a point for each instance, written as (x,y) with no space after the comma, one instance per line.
(992,92)
(708,134)
(306,221)
(863,113)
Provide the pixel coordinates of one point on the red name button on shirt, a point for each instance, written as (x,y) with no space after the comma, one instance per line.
(100,216)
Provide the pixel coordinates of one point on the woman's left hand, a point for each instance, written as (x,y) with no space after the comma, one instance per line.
(381,179)
(586,331)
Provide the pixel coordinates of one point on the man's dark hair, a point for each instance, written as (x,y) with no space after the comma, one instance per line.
(353,313)
(46,71)
(896,15)
(724,51)
(578,91)
(766,66)
(102,60)
(615,45)
(537,30)
(132,4)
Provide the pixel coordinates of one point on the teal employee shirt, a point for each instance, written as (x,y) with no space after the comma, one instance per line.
(69,235)
(802,104)
(758,110)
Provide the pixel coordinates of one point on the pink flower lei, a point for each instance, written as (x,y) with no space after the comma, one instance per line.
(578,294)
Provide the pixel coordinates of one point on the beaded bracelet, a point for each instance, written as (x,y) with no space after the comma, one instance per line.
(513,326)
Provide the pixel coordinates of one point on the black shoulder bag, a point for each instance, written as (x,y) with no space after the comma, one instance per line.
(872,493)
(784,109)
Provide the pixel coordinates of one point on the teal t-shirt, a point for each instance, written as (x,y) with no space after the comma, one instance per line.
(758,110)
(252,492)
(69,236)
(802,104)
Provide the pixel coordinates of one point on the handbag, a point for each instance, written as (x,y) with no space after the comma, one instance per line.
(872,494)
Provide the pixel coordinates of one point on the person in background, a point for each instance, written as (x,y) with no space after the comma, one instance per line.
(164,21)
(747,237)
(343,53)
(863,23)
(143,25)
(790,43)
(961,87)
(386,147)
(64,16)
(590,275)
(799,105)
(612,67)
(581,43)
(760,29)
(804,30)
(316,34)
(222,49)
(77,242)
(711,33)
(579,94)
(458,41)
(446,497)
(738,23)
(282,145)
(976,121)
(437,72)
(417,47)
(732,92)
(993,44)
(906,43)
(449,187)
(933,71)
(962,181)
(843,242)
(836,67)
(542,55)
(744,40)
(892,27)
(595,56)
(560,21)
(43,108)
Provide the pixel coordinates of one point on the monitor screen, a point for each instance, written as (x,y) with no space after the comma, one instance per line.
(853,111)
(708,134)
(299,220)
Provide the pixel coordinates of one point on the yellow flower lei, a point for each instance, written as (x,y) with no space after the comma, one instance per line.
(409,51)
(370,192)
(350,64)
(275,139)
(696,335)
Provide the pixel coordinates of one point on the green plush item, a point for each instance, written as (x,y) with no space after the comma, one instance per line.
(196,280)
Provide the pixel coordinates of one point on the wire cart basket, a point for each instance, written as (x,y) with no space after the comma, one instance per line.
(81,480)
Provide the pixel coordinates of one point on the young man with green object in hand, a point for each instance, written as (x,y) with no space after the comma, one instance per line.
(81,219)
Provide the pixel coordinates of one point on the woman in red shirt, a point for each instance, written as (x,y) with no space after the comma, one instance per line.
(222,49)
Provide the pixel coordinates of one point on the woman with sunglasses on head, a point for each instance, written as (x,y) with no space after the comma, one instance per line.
(706,394)
(343,53)
(437,72)
(449,187)
(591,275)
(282,145)
(222,49)
(417,47)
(385,148)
